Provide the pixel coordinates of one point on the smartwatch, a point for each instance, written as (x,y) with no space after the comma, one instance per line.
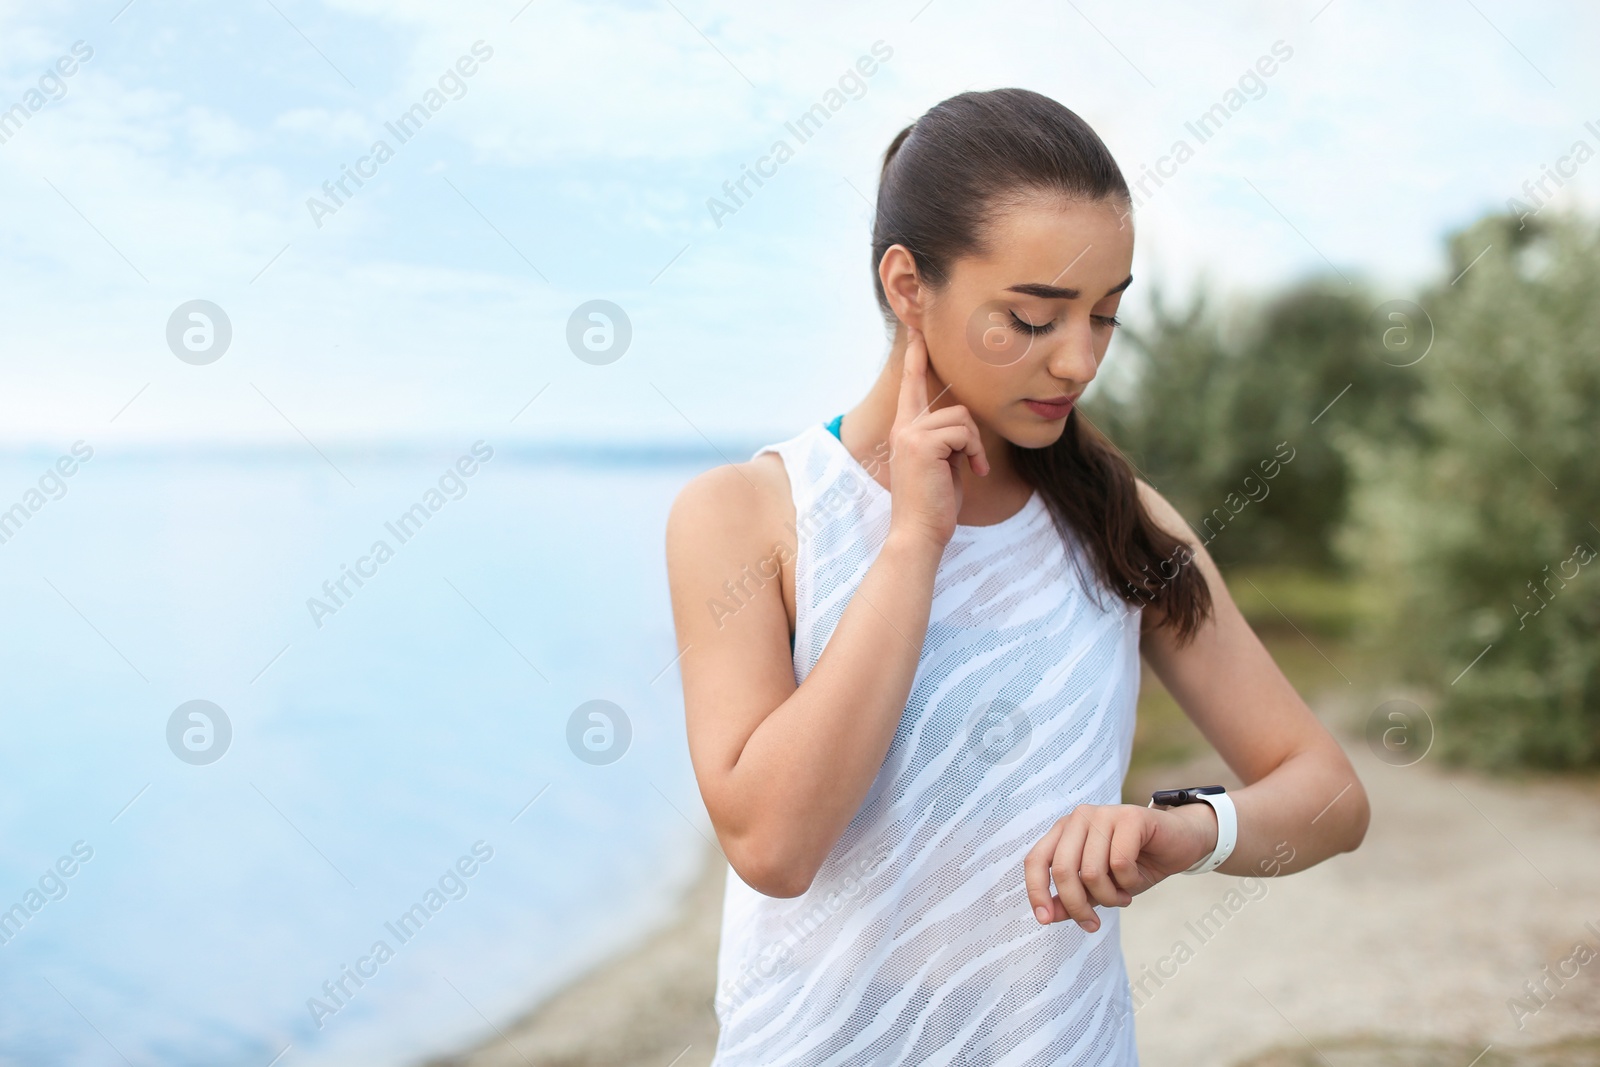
(1227,819)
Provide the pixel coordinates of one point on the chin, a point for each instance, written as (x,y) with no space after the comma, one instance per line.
(1034,433)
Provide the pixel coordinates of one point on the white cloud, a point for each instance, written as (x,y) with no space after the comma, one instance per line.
(589,144)
(343,128)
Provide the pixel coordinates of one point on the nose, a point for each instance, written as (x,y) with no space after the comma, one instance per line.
(1074,358)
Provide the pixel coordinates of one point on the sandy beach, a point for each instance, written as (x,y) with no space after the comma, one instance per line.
(1413,951)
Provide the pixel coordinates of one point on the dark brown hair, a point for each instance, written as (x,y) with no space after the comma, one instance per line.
(944,179)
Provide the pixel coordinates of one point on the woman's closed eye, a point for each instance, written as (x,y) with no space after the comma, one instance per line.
(1022,325)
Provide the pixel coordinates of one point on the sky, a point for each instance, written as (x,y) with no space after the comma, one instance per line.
(185,156)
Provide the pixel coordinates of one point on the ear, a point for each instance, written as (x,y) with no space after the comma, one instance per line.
(902,285)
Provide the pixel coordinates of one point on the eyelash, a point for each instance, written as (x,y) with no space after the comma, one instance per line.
(1023,326)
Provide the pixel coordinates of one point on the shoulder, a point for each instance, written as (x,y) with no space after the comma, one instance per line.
(1165,515)
(1191,551)
(730,506)
(1171,520)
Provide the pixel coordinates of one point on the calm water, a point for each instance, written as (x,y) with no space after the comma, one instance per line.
(368,756)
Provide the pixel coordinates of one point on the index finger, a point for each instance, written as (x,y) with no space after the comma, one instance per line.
(913,379)
(1036,872)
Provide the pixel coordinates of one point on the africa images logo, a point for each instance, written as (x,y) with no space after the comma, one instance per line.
(852,85)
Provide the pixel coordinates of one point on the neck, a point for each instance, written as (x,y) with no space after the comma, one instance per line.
(867,425)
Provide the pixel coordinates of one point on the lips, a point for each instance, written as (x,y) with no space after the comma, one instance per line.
(1054,408)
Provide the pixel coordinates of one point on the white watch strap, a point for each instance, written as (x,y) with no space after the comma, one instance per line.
(1227,832)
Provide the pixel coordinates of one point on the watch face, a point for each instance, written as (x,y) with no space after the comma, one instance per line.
(1173,797)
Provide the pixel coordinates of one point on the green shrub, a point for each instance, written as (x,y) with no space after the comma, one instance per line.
(1476,525)
(1203,406)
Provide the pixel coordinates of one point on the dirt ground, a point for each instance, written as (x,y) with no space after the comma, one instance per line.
(1406,953)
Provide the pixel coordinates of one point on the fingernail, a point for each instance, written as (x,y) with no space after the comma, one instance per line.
(1088,926)
(1044,916)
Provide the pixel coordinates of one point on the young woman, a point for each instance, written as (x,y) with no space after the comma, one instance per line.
(911,649)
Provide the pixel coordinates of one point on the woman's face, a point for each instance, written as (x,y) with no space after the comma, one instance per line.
(1030,320)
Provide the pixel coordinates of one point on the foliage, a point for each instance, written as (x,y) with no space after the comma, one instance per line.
(1210,412)
(1464,486)
(1294,598)
(1481,525)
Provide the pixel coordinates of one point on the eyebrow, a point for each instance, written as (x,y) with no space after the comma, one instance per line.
(1056,292)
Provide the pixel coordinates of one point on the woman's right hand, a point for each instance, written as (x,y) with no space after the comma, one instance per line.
(925,461)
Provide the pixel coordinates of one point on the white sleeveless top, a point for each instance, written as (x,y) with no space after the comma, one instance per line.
(916,942)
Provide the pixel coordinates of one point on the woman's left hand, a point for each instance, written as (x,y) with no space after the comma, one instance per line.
(1108,853)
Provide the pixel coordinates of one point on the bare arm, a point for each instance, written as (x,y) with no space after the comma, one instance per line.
(1299,786)
(783,769)
(1301,802)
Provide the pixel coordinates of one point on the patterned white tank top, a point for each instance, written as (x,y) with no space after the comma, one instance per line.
(916,943)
